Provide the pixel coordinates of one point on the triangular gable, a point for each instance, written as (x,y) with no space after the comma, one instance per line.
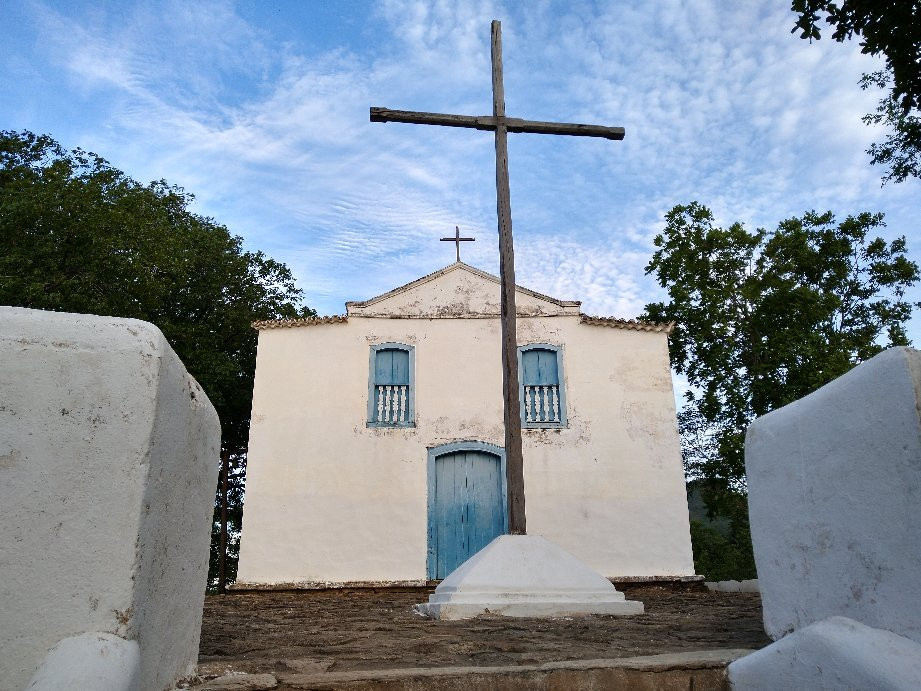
(458,290)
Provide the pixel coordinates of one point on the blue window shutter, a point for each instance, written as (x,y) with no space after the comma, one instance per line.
(391,367)
(539,367)
(400,371)
(546,368)
(383,367)
(543,400)
(390,386)
(530,366)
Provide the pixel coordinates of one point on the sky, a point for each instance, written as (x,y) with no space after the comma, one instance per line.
(260,109)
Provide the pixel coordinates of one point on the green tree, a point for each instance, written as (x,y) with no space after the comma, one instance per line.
(81,236)
(891,28)
(901,151)
(764,318)
(721,541)
(720,556)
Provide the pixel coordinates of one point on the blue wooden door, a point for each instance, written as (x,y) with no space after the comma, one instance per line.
(468,507)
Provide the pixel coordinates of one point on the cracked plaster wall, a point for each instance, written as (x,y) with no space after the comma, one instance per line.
(331,500)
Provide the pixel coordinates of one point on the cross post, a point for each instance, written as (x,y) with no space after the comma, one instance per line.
(501,126)
(457,239)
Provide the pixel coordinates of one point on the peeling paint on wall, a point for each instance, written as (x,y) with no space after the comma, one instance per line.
(331,500)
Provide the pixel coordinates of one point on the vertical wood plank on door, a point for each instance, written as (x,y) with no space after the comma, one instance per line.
(468,507)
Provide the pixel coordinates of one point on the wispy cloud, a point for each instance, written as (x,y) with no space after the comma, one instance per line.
(720,102)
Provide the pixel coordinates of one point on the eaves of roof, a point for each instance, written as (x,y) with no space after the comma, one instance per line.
(611,322)
(629,324)
(304,321)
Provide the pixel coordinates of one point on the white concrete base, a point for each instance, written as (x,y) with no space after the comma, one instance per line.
(746,586)
(837,653)
(525,576)
(109,453)
(834,481)
(98,661)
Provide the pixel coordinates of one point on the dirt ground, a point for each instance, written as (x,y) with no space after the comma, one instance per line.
(368,629)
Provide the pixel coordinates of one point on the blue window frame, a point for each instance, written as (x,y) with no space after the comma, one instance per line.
(391,386)
(541,387)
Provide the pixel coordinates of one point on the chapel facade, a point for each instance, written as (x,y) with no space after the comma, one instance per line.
(376,452)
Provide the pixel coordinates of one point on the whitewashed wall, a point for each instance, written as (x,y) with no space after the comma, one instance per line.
(331,500)
(109,452)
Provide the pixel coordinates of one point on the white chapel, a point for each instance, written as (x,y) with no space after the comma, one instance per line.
(376,452)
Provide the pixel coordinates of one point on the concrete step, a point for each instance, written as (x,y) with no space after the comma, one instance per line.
(696,670)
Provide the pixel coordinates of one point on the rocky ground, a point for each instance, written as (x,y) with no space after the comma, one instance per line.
(367,629)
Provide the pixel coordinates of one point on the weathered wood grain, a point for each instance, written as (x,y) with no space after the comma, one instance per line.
(514,468)
(486,122)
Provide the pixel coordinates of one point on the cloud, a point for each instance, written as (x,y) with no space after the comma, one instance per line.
(720,102)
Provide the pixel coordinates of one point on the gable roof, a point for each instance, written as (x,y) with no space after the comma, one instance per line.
(417,299)
(454,267)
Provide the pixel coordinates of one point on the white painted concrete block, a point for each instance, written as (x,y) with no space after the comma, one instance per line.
(97,661)
(837,653)
(834,484)
(749,585)
(525,576)
(746,586)
(108,464)
(729,586)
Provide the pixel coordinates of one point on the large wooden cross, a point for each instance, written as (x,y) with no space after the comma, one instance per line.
(502,125)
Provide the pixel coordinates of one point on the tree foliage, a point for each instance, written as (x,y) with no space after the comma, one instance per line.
(891,28)
(720,536)
(901,151)
(722,556)
(81,236)
(764,318)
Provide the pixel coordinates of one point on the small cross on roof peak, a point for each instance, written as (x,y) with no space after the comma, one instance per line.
(457,240)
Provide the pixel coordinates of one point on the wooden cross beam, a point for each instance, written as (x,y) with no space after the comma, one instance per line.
(485,122)
(502,125)
(457,239)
